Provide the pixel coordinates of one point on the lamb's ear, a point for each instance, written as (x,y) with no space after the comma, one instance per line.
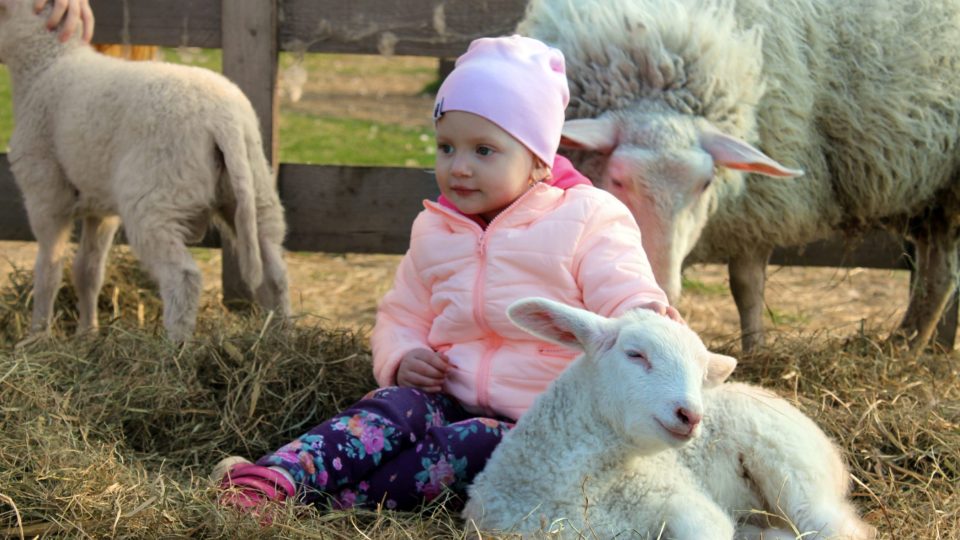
(556,322)
(719,367)
(733,153)
(597,134)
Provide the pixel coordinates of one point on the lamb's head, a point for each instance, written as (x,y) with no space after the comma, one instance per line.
(22,27)
(664,166)
(646,372)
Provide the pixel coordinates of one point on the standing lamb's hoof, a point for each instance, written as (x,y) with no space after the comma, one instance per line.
(33,338)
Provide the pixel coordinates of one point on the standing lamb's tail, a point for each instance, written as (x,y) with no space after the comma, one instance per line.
(232,142)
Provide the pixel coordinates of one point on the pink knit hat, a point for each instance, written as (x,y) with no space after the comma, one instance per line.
(516,82)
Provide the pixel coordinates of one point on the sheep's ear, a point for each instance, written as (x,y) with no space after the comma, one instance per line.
(556,322)
(733,153)
(597,134)
(719,368)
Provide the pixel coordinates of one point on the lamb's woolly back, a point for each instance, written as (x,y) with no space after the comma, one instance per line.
(690,56)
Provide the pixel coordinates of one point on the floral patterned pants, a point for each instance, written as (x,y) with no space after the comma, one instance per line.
(397,446)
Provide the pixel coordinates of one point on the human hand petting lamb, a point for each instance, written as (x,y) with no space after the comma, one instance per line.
(69,12)
(164,148)
(640,435)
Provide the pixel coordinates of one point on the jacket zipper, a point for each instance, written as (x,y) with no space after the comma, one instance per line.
(494,339)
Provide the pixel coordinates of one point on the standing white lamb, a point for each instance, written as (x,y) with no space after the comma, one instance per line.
(863,95)
(163,147)
(616,444)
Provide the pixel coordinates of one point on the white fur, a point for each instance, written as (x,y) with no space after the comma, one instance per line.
(594,456)
(163,147)
(861,95)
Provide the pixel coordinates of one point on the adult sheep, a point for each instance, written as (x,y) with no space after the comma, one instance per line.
(616,446)
(862,95)
(163,147)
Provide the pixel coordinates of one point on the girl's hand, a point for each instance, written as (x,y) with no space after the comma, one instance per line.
(665,310)
(75,10)
(423,369)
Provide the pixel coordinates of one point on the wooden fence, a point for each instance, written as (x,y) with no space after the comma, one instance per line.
(342,208)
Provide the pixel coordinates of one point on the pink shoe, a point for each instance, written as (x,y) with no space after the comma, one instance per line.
(246,486)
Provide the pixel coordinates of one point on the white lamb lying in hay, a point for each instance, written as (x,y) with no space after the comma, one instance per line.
(163,147)
(616,444)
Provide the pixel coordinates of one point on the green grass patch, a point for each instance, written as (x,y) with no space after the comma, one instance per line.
(779,318)
(305,138)
(695,286)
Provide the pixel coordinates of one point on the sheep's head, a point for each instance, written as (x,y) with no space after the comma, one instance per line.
(663,166)
(646,371)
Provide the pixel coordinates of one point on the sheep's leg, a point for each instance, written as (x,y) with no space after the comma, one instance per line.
(810,499)
(50,212)
(748,276)
(163,252)
(934,284)
(274,292)
(89,264)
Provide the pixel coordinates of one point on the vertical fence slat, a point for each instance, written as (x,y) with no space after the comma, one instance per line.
(250,49)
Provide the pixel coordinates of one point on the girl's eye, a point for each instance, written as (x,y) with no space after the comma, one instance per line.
(640,358)
(444,148)
(484,150)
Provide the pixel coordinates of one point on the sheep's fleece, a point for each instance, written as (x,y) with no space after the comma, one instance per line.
(685,109)
(165,148)
(627,443)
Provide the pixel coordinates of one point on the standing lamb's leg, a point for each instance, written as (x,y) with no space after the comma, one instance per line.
(274,292)
(49,201)
(935,283)
(89,264)
(748,276)
(159,244)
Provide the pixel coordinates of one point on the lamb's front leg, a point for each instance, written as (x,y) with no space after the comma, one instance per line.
(89,264)
(51,219)
(691,515)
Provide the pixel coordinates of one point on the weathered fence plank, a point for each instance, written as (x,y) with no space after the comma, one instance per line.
(370,210)
(406,27)
(169,23)
(360,209)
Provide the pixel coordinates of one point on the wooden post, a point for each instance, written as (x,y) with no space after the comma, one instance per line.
(250,58)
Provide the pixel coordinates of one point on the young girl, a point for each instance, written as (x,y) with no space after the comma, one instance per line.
(514,220)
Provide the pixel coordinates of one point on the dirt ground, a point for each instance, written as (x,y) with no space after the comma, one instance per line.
(343,290)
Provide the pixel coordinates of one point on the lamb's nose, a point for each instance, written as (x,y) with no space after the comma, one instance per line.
(688,417)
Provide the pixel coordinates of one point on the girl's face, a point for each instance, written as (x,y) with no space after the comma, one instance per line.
(481,168)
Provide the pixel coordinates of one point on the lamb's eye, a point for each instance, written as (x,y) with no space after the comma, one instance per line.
(641,358)
(616,183)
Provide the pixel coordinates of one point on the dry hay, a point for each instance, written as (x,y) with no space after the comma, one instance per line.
(114,434)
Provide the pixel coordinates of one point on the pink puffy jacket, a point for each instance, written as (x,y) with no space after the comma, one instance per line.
(579,245)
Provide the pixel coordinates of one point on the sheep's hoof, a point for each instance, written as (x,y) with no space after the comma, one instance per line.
(38,337)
